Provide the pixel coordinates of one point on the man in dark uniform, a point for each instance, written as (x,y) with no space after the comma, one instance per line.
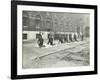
(50,39)
(70,37)
(66,37)
(40,41)
(75,37)
(61,38)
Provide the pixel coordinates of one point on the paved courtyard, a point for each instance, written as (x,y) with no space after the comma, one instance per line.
(59,55)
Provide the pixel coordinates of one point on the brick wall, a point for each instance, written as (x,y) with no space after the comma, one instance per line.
(54,21)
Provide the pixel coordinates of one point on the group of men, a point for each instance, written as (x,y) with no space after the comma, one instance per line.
(65,38)
(40,40)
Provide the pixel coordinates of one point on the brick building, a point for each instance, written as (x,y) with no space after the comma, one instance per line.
(56,22)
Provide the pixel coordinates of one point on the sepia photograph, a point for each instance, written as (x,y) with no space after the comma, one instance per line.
(55,39)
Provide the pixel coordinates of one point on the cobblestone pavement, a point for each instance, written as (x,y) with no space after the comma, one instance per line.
(59,55)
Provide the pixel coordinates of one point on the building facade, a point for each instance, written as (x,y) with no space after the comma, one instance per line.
(56,22)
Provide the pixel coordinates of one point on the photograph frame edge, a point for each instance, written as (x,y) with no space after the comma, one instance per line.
(14,41)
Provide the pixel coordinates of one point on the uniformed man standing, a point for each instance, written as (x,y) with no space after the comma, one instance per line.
(66,38)
(61,38)
(75,37)
(70,37)
(40,41)
(50,39)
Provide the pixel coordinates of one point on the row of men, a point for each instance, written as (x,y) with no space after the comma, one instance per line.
(61,39)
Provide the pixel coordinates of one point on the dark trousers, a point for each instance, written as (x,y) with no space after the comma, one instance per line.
(40,42)
(75,38)
(61,40)
(50,41)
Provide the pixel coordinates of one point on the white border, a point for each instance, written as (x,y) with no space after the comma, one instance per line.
(21,71)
